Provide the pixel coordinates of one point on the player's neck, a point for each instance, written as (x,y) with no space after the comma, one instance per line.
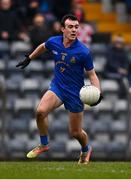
(67,43)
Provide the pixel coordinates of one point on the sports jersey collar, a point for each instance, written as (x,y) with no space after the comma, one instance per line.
(72,45)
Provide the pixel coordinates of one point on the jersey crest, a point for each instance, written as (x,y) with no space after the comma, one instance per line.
(73,60)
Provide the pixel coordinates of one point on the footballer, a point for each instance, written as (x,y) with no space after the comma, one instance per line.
(72,59)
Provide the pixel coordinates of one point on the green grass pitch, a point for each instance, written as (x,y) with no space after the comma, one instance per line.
(64,170)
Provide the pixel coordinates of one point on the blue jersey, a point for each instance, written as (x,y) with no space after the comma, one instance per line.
(69,63)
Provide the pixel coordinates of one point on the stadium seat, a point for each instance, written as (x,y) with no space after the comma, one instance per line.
(12,91)
(105,106)
(93,7)
(101,126)
(121,12)
(117,150)
(20,47)
(118,126)
(101,17)
(99,150)
(16,149)
(49,68)
(121,137)
(99,64)
(30,88)
(107,6)
(127,37)
(110,89)
(109,85)
(3,152)
(129,149)
(2,85)
(45,84)
(33,129)
(59,124)
(0,124)
(103,137)
(2,67)
(59,127)
(18,126)
(88,121)
(10,101)
(4,49)
(113,27)
(104,111)
(98,48)
(23,104)
(35,68)
(11,70)
(73,149)
(32,125)
(33,142)
(58,150)
(121,109)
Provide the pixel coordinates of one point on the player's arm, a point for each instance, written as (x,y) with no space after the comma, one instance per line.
(37,52)
(93,78)
(95,82)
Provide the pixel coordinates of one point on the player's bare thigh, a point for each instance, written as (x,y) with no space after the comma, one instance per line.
(48,102)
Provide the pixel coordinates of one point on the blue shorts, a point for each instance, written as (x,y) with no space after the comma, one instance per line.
(71,102)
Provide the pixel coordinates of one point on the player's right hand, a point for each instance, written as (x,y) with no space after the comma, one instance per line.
(24,63)
(99,100)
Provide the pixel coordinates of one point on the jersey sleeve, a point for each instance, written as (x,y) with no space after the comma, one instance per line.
(88,61)
(49,44)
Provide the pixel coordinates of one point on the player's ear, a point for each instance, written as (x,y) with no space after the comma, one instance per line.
(62,29)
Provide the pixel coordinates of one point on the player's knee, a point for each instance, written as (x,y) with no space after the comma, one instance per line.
(75,134)
(41,113)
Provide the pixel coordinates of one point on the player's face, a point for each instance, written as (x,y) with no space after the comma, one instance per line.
(71,29)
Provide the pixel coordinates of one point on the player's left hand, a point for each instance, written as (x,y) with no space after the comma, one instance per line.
(99,100)
(24,63)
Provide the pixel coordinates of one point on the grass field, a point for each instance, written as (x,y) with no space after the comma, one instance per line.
(64,170)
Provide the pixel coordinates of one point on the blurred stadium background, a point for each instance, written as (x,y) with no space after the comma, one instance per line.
(31,22)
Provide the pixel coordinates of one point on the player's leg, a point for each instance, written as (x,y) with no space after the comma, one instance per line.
(48,103)
(75,128)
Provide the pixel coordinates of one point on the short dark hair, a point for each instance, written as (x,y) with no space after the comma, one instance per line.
(68,16)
